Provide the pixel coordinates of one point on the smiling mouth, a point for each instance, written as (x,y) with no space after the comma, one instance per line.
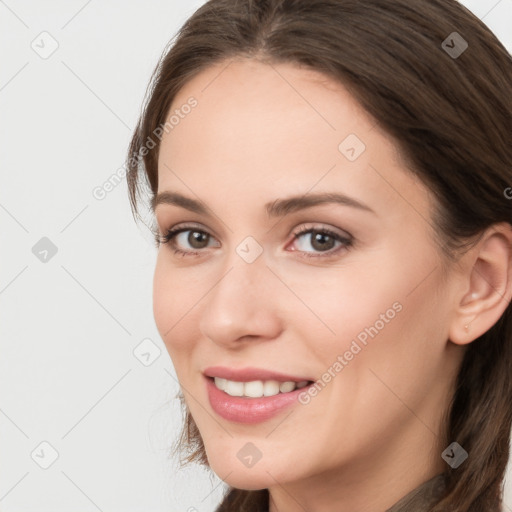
(257,388)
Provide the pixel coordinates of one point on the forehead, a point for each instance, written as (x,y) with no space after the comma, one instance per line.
(252,103)
(266,128)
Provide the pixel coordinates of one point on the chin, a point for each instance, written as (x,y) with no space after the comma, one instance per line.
(248,479)
(227,466)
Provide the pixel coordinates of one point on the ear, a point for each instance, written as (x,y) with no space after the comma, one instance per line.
(487,289)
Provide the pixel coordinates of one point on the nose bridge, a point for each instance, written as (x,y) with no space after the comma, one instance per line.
(240,303)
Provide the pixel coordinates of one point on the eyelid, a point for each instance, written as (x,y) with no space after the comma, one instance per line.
(301,227)
(183,226)
(316,226)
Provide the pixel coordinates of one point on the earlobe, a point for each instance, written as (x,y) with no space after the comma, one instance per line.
(489,285)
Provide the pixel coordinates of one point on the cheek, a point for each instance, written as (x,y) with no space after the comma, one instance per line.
(383,314)
(173,305)
(162,299)
(343,304)
(393,341)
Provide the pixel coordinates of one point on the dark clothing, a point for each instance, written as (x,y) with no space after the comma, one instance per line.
(422,498)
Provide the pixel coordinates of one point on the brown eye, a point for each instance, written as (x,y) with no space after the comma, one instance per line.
(187,240)
(197,239)
(321,240)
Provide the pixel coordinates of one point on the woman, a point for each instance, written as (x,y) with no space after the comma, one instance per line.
(331,187)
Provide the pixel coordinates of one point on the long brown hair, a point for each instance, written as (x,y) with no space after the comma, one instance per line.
(450,114)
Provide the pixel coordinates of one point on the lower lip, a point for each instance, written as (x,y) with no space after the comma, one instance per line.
(249,410)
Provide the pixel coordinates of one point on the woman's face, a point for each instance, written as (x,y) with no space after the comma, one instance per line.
(360,305)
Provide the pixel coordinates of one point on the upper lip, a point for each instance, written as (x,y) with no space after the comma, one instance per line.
(249,374)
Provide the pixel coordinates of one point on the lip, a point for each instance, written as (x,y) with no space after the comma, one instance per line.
(249,410)
(249,374)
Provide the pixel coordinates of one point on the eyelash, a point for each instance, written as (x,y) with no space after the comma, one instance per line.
(347,243)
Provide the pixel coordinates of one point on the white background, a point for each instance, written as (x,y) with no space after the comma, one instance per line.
(68,327)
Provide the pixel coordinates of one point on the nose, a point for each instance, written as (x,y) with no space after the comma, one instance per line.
(242,306)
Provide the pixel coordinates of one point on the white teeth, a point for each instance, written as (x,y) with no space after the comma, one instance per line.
(220,383)
(270,388)
(234,388)
(285,387)
(257,388)
(253,389)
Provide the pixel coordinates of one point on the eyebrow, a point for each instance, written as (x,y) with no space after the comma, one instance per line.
(277,208)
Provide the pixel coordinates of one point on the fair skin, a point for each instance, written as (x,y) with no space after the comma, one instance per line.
(261,133)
